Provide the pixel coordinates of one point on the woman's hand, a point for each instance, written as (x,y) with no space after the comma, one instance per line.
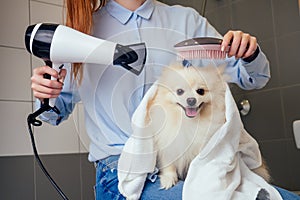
(45,88)
(243,45)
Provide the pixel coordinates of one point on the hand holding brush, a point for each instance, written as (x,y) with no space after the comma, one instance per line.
(242,45)
(234,43)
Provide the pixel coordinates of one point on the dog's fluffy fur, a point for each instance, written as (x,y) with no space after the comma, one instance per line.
(187,109)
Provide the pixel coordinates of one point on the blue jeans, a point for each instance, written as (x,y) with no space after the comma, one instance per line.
(106,187)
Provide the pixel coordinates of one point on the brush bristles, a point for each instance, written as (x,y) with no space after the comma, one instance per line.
(209,51)
(202,54)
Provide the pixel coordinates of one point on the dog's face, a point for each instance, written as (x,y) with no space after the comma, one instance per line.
(191,89)
(191,97)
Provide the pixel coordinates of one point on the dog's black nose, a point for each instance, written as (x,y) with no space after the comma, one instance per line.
(191,101)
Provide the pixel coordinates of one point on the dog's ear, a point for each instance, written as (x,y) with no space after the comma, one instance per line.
(224,76)
(221,68)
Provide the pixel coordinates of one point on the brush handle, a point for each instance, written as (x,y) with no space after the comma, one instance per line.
(201,48)
(199,41)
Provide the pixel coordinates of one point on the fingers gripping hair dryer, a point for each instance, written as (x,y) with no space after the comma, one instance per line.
(57,44)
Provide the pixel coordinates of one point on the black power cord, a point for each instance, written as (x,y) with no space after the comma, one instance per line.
(31,120)
(203,8)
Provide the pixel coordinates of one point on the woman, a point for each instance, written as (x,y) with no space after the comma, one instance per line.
(110,94)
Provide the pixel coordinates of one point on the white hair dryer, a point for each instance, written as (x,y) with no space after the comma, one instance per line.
(57,44)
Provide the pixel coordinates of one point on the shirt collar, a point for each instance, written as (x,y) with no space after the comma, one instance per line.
(123,15)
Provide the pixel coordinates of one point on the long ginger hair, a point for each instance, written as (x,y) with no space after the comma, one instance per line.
(79,16)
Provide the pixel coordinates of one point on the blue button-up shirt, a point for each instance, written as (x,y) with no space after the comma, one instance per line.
(110,94)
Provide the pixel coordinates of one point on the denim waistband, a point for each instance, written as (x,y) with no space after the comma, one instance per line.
(109,162)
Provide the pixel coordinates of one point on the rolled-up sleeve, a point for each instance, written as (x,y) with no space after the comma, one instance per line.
(248,76)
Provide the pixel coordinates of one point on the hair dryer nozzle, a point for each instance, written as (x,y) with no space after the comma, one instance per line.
(131,57)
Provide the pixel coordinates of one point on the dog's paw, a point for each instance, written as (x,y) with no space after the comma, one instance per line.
(168,180)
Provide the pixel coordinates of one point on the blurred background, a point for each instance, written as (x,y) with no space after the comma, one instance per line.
(275,23)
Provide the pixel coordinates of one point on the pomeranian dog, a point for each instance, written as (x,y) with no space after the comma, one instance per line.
(187,109)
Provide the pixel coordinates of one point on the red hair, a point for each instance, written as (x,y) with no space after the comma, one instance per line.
(79,16)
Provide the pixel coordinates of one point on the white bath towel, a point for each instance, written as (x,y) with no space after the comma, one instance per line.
(221,171)
(223,168)
(138,157)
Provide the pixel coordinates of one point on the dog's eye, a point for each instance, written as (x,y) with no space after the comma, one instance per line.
(180,91)
(200,91)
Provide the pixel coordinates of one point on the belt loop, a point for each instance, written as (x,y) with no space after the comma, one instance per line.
(96,163)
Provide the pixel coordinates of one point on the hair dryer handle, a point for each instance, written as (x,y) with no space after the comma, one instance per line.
(57,67)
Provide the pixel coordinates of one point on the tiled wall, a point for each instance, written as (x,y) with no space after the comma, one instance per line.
(276,23)
(63,148)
